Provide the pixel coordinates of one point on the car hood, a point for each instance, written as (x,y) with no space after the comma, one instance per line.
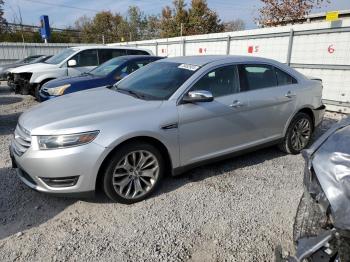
(330,157)
(37,67)
(82,79)
(83,111)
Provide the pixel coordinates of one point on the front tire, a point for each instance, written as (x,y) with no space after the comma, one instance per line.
(133,173)
(298,134)
(37,92)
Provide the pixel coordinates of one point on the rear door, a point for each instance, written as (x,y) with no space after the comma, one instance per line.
(272,98)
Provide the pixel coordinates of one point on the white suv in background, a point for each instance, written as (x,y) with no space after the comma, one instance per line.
(72,61)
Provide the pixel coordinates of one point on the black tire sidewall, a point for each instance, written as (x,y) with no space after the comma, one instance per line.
(288,138)
(36,92)
(114,160)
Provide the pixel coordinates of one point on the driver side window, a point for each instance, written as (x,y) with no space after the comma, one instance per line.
(220,81)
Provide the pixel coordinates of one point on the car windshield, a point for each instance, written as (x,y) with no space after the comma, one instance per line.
(156,81)
(107,67)
(56,59)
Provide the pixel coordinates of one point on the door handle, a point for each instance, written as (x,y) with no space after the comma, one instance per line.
(290,94)
(237,104)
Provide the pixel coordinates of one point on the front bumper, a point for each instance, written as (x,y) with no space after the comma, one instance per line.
(44,96)
(82,161)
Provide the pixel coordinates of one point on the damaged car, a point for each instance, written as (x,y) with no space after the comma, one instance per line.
(71,61)
(322,223)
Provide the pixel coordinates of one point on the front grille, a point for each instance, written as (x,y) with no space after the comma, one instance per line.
(22,140)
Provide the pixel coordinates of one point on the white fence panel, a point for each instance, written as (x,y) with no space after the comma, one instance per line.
(10,52)
(206,48)
(274,48)
(331,49)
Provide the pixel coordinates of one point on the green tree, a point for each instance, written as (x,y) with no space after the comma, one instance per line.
(137,22)
(203,20)
(198,19)
(152,29)
(168,27)
(3,22)
(104,25)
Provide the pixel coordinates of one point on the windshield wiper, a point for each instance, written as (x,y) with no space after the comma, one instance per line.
(130,92)
(86,74)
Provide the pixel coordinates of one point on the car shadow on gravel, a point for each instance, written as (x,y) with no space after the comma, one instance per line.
(22,208)
(7,100)
(8,123)
(5,90)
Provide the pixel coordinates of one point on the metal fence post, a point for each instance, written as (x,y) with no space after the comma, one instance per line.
(228,45)
(184,47)
(290,46)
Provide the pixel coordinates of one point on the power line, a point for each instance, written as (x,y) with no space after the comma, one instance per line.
(37,27)
(61,5)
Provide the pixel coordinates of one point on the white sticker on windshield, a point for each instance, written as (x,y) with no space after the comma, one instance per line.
(188,67)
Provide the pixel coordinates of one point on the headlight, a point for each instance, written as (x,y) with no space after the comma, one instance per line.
(57,91)
(62,141)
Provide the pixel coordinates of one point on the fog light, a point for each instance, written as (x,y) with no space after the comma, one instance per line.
(60,181)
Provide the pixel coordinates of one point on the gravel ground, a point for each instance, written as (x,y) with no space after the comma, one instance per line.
(241,209)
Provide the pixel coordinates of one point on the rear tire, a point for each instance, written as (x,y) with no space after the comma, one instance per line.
(298,135)
(133,173)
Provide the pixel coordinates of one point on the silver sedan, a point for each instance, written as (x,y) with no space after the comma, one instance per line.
(163,119)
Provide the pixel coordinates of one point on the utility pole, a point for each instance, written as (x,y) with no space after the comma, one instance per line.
(181,28)
(103,39)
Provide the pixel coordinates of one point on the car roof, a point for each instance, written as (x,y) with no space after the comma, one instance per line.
(207,59)
(136,57)
(85,47)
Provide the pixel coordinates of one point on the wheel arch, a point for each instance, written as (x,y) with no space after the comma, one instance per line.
(306,110)
(148,139)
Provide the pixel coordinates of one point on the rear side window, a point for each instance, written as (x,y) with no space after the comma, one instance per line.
(137,52)
(86,58)
(256,76)
(107,54)
(220,82)
(283,78)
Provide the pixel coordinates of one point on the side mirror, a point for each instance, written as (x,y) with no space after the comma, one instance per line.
(198,96)
(72,63)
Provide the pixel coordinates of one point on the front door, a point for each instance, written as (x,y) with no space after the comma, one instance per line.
(210,129)
(86,61)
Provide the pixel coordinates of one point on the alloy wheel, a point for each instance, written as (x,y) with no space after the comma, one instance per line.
(135,174)
(301,134)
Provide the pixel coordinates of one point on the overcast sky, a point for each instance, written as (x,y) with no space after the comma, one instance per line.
(61,16)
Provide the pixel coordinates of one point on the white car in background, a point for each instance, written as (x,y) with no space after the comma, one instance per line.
(72,61)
